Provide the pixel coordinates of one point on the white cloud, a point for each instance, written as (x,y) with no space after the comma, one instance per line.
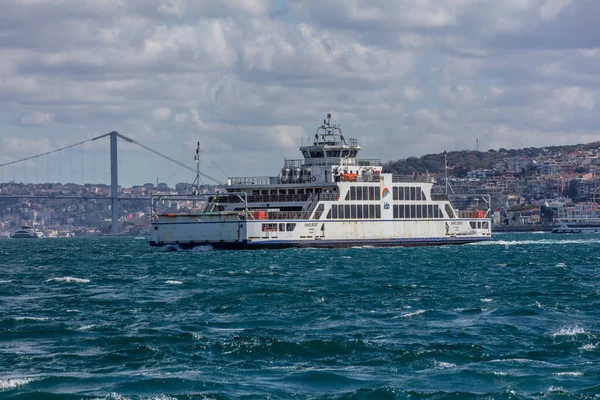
(37,118)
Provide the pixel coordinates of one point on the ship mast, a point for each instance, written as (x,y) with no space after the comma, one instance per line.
(196,185)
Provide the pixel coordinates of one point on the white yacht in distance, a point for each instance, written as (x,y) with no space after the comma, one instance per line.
(27,232)
(330,198)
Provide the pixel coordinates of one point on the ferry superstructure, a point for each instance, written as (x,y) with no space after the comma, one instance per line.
(330,198)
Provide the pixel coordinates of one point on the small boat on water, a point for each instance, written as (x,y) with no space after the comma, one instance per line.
(330,198)
(27,232)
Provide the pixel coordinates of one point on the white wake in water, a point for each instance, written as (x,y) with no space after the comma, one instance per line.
(68,279)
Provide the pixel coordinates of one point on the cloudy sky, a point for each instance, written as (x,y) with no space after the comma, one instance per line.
(250,79)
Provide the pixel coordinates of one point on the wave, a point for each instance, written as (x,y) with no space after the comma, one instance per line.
(589,347)
(11,383)
(410,314)
(569,331)
(568,373)
(173,282)
(69,279)
(536,242)
(31,318)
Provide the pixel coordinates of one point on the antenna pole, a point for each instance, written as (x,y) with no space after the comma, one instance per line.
(446,170)
(198,168)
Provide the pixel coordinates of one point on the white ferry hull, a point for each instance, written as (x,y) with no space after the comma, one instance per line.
(227,231)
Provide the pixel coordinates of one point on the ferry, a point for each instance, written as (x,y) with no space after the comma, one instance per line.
(329,198)
(576,225)
(27,232)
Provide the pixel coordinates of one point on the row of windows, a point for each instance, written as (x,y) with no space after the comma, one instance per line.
(272,227)
(408,193)
(363,193)
(319,153)
(354,211)
(417,211)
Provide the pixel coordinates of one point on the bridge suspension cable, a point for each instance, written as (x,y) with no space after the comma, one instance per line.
(49,152)
(182,165)
(127,139)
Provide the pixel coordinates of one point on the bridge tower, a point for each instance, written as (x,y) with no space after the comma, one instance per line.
(114,183)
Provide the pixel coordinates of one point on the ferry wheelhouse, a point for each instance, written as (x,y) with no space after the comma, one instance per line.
(330,198)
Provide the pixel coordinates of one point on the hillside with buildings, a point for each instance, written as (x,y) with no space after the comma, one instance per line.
(519,182)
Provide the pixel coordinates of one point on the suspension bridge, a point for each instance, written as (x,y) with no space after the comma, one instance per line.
(114,197)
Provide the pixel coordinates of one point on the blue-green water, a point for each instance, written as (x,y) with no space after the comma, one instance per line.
(111,318)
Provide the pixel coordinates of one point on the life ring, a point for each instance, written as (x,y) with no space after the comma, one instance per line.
(377,172)
(314,178)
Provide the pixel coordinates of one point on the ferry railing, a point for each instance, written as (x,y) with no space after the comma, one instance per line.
(412,178)
(350,161)
(439,196)
(263,198)
(189,204)
(272,180)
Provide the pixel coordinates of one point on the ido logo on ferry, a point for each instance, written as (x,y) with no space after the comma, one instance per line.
(385,192)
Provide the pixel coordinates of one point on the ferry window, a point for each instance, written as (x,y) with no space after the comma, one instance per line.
(345,153)
(418,190)
(371,211)
(365,192)
(329,214)
(347,195)
(377,193)
(290,226)
(371,193)
(401,211)
(413,211)
(269,227)
(423,196)
(316,153)
(347,211)
(419,211)
(413,193)
(430,213)
(334,211)
(440,213)
(353,193)
(359,193)
(353,211)
(485,225)
(333,153)
(319,211)
(353,153)
(281,228)
(395,210)
(473,224)
(359,211)
(378,211)
(365,211)
(395,193)
(305,154)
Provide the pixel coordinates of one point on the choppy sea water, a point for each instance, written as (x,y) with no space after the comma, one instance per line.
(111,318)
